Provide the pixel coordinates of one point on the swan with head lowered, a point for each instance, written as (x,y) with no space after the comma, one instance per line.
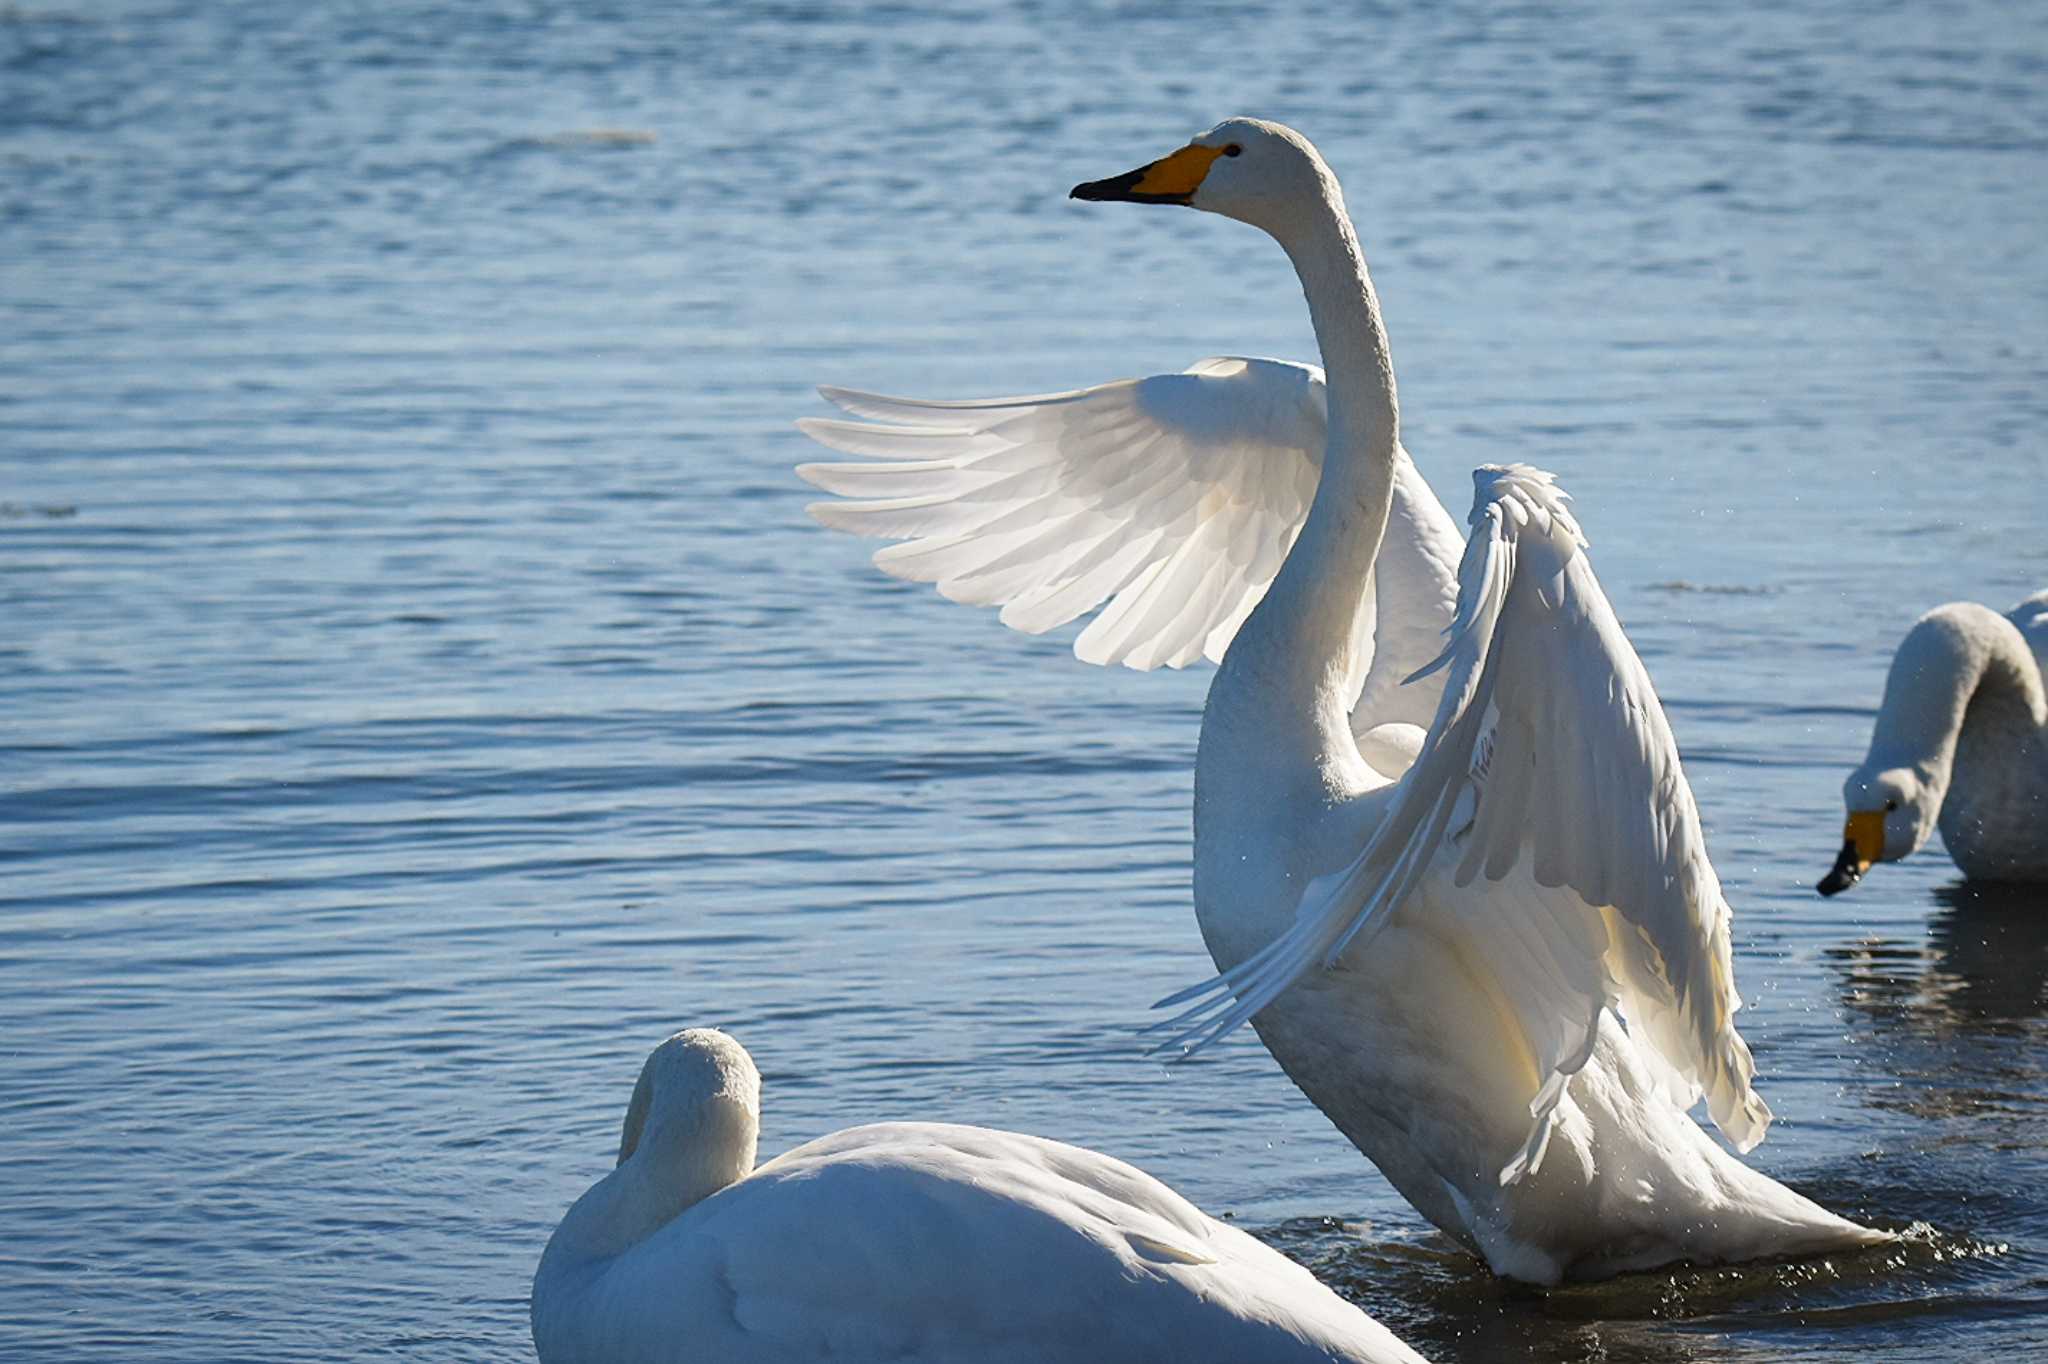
(910,1243)
(1960,744)
(1493,950)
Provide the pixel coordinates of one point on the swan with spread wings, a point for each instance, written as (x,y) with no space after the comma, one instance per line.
(1472,916)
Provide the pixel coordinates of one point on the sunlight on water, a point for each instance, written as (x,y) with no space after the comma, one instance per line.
(424,690)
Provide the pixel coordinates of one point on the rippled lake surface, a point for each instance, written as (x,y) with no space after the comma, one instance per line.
(421,690)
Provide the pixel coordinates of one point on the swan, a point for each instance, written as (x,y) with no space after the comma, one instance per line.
(1438,932)
(910,1242)
(1961,742)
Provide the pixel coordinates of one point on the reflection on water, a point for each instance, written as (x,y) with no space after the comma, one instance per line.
(1956,1017)
(1982,967)
(1993,942)
(1947,1031)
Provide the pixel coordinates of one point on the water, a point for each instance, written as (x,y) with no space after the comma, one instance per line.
(423,691)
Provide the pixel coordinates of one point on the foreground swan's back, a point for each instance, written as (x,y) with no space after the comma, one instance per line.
(911,1243)
(1536,874)
(1961,742)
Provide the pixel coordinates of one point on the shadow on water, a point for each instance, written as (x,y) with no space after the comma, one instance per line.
(1992,941)
(1979,974)
(1444,1302)
(1949,1042)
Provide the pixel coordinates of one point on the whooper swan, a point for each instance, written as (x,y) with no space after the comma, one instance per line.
(906,1242)
(1961,742)
(1437,936)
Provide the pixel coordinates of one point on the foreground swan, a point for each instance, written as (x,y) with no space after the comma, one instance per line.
(1437,935)
(910,1243)
(1961,741)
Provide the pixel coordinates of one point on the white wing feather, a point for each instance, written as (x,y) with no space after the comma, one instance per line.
(1551,771)
(1169,502)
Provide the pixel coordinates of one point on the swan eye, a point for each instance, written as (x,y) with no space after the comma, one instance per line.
(1891,805)
(1233,149)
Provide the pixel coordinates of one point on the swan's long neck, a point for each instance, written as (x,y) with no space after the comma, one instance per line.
(683,1159)
(1301,640)
(1952,657)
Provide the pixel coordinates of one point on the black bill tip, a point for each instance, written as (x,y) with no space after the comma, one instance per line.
(1846,873)
(1103,191)
(1123,189)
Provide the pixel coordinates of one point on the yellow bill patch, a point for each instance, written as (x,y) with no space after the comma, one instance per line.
(1178,175)
(1865,833)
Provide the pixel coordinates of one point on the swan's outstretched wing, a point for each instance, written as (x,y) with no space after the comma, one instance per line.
(1173,499)
(1545,812)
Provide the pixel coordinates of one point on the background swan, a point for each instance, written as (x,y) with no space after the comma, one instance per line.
(904,1242)
(1961,741)
(1536,873)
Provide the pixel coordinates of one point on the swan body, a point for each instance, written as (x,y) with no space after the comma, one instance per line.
(903,1242)
(1472,916)
(1960,744)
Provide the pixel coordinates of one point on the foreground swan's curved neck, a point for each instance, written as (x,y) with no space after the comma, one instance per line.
(1949,657)
(669,1162)
(617,1213)
(1306,623)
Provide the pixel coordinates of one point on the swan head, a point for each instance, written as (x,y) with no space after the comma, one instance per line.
(696,1109)
(1891,812)
(1244,168)
(690,1131)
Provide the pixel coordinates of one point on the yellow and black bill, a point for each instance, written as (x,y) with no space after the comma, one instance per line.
(1862,845)
(1169,180)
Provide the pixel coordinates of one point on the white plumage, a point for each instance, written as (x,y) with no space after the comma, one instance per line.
(1549,746)
(1960,743)
(1497,955)
(1173,499)
(904,1243)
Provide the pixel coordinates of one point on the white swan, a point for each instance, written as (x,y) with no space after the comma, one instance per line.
(1440,962)
(911,1243)
(1961,741)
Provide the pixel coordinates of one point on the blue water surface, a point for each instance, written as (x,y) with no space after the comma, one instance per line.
(421,690)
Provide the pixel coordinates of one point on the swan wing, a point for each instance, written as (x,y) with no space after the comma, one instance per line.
(1171,498)
(1548,810)
(1169,502)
